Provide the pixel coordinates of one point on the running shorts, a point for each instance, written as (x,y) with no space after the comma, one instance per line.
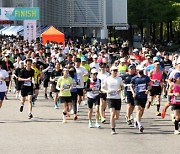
(114,103)
(92,101)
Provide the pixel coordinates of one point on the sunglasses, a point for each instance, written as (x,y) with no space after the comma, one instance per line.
(94,73)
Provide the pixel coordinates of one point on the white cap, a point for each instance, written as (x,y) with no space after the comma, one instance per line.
(139,67)
(158,54)
(21,62)
(135,50)
(113,68)
(65,69)
(94,56)
(79,50)
(34,61)
(6,55)
(94,71)
(8,52)
(122,60)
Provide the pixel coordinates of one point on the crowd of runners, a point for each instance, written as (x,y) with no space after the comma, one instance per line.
(100,75)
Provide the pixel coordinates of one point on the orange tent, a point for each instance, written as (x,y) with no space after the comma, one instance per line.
(52,34)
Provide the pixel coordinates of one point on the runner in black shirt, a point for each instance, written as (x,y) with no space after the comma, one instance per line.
(27,75)
(128,94)
(56,73)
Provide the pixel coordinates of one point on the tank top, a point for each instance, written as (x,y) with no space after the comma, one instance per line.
(96,85)
(175,99)
(156,75)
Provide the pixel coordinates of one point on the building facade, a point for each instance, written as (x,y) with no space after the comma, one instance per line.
(88,18)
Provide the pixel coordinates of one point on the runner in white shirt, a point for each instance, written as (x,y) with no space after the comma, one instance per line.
(102,75)
(113,86)
(4,76)
(95,63)
(81,72)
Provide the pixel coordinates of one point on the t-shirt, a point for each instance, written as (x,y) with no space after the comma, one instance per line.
(3,74)
(113,84)
(37,72)
(95,65)
(102,77)
(87,67)
(127,80)
(140,85)
(26,74)
(167,64)
(80,73)
(65,83)
(56,74)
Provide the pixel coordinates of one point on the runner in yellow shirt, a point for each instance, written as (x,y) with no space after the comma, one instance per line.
(36,82)
(64,84)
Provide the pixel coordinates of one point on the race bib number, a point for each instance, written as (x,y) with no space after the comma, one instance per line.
(96,91)
(50,70)
(66,86)
(128,87)
(156,83)
(141,87)
(113,93)
(177,98)
(27,83)
(56,78)
(0,82)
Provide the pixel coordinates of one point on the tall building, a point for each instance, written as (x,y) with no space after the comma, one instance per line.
(88,18)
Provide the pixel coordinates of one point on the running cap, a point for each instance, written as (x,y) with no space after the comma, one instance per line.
(94,56)
(155,59)
(113,68)
(79,50)
(93,71)
(65,69)
(131,66)
(122,60)
(83,59)
(140,67)
(136,50)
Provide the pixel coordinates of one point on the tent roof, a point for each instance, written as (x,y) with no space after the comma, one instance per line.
(52,31)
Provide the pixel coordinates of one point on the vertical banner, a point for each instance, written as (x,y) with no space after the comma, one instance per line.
(29,30)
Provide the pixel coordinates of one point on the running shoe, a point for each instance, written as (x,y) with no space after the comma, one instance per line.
(158,114)
(163,113)
(113,132)
(103,120)
(135,124)
(30,116)
(21,108)
(129,122)
(56,106)
(141,129)
(176,132)
(97,125)
(64,121)
(90,124)
(75,117)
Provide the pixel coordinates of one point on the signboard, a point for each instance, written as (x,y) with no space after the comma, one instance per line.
(122,28)
(23,13)
(29,30)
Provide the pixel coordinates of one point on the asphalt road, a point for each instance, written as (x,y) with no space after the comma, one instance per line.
(45,133)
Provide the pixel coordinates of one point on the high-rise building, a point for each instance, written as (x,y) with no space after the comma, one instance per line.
(88,18)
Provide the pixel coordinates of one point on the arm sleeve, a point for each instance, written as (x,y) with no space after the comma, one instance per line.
(87,87)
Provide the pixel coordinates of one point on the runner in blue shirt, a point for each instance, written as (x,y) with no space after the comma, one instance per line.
(140,86)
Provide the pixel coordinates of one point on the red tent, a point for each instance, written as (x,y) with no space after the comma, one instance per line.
(52,34)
